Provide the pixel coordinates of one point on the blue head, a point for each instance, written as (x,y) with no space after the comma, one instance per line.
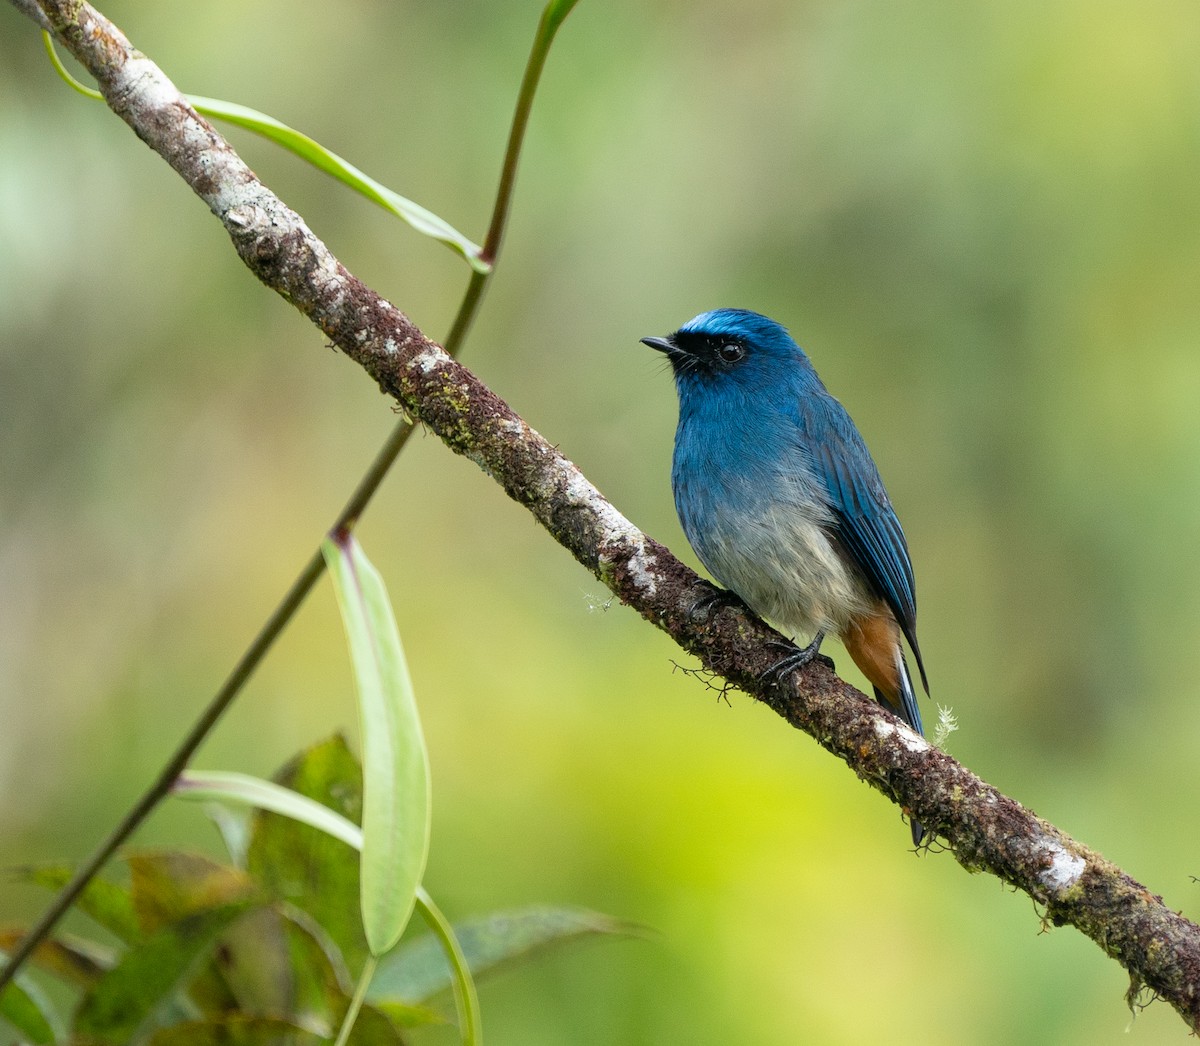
(736,354)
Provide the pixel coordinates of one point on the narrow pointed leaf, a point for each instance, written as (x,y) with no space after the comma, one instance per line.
(234,828)
(170,885)
(424,221)
(418,970)
(453,971)
(307,867)
(146,979)
(320,977)
(466,998)
(71,959)
(395,764)
(318,967)
(245,790)
(407,1015)
(27,1009)
(105,902)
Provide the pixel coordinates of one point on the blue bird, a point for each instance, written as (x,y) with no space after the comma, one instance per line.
(782,502)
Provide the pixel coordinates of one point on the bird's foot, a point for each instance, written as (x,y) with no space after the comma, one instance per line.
(795,659)
(711,597)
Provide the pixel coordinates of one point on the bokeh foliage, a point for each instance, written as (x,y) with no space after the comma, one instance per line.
(982,224)
(257,949)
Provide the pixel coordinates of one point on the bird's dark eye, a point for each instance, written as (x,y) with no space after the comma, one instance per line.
(731,352)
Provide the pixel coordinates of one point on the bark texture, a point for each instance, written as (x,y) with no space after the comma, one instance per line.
(986,830)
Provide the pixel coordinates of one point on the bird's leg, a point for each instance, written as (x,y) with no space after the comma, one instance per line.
(796,658)
(712,596)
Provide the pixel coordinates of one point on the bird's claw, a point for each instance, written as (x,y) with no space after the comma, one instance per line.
(795,659)
(712,596)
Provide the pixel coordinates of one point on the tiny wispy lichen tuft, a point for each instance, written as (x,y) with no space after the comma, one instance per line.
(946,725)
(597,605)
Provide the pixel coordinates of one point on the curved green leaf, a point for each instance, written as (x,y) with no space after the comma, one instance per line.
(149,974)
(396,810)
(424,221)
(418,970)
(305,866)
(73,960)
(26,1008)
(466,1000)
(266,795)
(453,971)
(105,902)
(170,885)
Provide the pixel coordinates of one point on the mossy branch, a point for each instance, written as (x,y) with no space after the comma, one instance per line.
(986,830)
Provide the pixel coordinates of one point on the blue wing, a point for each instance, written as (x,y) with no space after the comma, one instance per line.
(865,523)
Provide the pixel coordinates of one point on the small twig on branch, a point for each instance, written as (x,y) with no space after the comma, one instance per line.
(986,829)
(710,680)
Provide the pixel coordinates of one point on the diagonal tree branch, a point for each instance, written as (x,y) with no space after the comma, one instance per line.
(987,830)
(30,9)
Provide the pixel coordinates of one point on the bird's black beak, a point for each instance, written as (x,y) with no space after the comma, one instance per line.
(662,344)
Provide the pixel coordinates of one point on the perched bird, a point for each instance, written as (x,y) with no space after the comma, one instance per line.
(780,498)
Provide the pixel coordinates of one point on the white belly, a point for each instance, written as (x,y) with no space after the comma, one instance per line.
(783,565)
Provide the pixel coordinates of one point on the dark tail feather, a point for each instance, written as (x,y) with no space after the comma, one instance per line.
(909,711)
(918,831)
(911,714)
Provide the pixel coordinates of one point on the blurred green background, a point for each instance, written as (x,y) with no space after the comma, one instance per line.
(983,223)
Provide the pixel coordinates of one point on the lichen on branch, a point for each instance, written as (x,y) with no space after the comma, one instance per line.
(986,830)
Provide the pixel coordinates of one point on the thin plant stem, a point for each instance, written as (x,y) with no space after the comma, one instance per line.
(466,1001)
(313,570)
(466,311)
(249,661)
(552,17)
(356,1001)
(161,786)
